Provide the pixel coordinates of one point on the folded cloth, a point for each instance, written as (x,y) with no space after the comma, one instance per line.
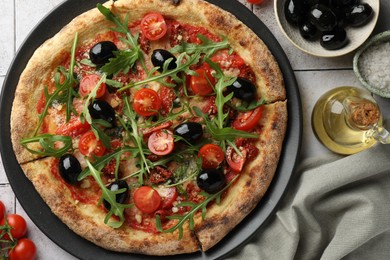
(335,208)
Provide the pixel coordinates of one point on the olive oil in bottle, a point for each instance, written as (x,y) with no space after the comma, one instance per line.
(345,120)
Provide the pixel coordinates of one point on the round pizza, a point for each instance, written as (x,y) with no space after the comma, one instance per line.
(151,127)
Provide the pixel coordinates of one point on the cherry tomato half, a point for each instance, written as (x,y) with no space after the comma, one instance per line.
(161,142)
(255,1)
(248,120)
(89,145)
(88,83)
(226,60)
(200,84)
(2,210)
(147,199)
(168,196)
(146,102)
(25,249)
(212,156)
(235,161)
(153,26)
(73,128)
(18,225)
(167,96)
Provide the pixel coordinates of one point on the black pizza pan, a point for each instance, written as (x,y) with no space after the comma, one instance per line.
(58,232)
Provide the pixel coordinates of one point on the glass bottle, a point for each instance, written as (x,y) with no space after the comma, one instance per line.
(348,120)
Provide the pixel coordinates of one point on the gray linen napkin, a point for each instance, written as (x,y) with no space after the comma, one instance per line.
(334,209)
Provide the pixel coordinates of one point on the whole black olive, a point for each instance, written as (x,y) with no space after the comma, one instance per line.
(70,168)
(359,15)
(322,17)
(335,39)
(295,11)
(159,56)
(343,3)
(120,197)
(243,89)
(190,131)
(211,180)
(100,109)
(308,31)
(101,52)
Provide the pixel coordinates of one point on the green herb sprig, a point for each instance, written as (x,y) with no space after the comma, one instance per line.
(49,144)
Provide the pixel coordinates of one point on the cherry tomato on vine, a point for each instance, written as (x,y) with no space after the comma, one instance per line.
(255,1)
(212,156)
(200,84)
(248,120)
(147,199)
(161,142)
(235,161)
(89,145)
(25,249)
(2,210)
(146,102)
(89,82)
(18,225)
(153,26)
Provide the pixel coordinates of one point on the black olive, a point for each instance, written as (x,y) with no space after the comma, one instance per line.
(100,109)
(359,15)
(190,131)
(159,56)
(101,52)
(295,11)
(335,39)
(308,31)
(243,89)
(70,168)
(120,197)
(322,17)
(211,180)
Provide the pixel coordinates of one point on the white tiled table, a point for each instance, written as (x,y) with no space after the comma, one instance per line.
(314,75)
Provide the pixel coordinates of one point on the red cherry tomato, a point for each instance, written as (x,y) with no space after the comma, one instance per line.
(153,26)
(235,161)
(73,128)
(147,199)
(168,196)
(146,102)
(167,96)
(88,83)
(200,84)
(25,249)
(148,131)
(212,156)
(2,210)
(248,120)
(89,145)
(255,1)
(226,60)
(161,142)
(18,225)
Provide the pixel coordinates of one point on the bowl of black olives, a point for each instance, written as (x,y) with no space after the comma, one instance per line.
(327,28)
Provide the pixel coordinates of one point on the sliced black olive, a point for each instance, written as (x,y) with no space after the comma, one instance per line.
(308,31)
(120,197)
(243,89)
(70,168)
(101,52)
(335,39)
(359,15)
(159,56)
(190,131)
(100,109)
(295,11)
(211,180)
(322,17)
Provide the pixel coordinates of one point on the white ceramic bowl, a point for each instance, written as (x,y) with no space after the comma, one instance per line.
(375,40)
(357,36)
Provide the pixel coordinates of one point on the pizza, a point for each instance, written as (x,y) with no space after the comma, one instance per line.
(151,127)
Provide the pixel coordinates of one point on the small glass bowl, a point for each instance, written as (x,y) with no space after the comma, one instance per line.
(375,40)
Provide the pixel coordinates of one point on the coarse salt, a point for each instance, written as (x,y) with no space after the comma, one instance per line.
(374,64)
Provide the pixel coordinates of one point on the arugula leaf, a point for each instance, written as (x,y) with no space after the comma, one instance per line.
(64,91)
(208,47)
(116,209)
(189,215)
(85,115)
(184,62)
(99,133)
(123,61)
(244,107)
(49,144)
